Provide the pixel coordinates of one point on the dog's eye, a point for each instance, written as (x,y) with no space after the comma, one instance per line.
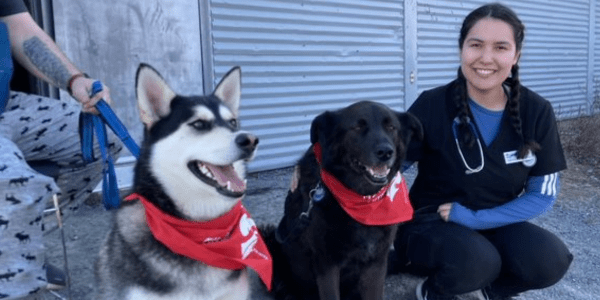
(233,123)
(391,127)
(201,125)
(360,126)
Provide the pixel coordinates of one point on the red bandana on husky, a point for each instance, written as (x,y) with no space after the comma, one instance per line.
(388,206)
(231,241)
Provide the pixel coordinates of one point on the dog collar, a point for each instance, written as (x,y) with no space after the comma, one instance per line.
(230,241)
(389,206)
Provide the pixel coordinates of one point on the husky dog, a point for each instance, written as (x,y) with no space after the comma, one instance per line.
(191,169)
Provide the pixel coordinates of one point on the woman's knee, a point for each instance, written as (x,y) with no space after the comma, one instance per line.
(457,258)
(547,268)
(535,256)
(475,262)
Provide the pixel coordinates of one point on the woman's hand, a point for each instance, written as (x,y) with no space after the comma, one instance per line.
(81,89)
(444,211)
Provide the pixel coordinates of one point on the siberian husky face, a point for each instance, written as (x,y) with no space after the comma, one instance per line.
(191,167)
(196,150)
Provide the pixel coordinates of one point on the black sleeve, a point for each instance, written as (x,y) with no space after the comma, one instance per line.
(11,7)
(551,157)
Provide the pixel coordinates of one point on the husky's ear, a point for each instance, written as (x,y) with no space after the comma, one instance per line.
(229,90)
(153,94)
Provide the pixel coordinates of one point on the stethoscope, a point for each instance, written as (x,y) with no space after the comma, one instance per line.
(510,157)
(455,124)
(469,170)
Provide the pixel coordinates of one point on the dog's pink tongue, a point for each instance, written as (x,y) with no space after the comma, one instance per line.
(227,177)
(380,171)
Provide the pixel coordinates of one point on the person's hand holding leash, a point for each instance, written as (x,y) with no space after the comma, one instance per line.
(80,88)
(444,211)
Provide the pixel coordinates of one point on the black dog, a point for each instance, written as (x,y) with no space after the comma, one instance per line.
(319,250)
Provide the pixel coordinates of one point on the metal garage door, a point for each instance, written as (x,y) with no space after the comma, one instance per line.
(300,58)
(596,58)
(555,53)
(437,43)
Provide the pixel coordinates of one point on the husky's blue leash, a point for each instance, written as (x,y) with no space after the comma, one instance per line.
(90,123)
(6,66)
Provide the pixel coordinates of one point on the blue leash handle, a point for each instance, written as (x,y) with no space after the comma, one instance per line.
(113,122)
(90,123)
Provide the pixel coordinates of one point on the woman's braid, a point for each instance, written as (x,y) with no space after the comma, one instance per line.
(514,85)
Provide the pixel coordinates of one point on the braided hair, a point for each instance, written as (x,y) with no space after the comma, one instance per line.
(505,14)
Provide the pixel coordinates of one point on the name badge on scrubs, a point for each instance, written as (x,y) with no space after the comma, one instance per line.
(529,160)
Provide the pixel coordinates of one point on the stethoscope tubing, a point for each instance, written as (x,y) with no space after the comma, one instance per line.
(469,170)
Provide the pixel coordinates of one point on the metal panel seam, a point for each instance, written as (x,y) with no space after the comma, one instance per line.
(591,56)
(410,53)
(206,46)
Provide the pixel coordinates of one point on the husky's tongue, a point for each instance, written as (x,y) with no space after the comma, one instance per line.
(227,177)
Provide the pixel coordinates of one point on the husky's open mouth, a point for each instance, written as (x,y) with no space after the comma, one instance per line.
(377,175)
(224,178)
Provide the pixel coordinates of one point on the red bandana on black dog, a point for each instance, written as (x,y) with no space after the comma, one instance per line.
(230,242)
(388,206)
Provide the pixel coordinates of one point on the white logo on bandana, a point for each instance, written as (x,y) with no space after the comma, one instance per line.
(246,226)
(395,186)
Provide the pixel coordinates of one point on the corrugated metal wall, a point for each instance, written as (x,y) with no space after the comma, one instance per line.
(438,24)
(596,76)
(555,52)
(300,58)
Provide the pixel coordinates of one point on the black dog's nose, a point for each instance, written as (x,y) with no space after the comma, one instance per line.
(384,152)
(247,141)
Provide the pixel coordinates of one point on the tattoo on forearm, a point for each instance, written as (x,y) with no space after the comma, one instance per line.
(46,61)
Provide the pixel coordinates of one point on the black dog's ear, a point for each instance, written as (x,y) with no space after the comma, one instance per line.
(411,127)
(321,126)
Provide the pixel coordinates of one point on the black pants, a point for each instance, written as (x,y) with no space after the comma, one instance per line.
(509,259)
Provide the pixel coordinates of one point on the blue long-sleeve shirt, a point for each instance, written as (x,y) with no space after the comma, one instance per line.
(538,197)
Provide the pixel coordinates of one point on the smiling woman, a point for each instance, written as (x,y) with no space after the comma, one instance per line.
(487,57)
(488,164)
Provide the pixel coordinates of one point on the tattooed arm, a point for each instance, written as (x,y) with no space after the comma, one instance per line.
(40,55)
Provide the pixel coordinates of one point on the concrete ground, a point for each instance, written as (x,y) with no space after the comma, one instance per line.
(574,219)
